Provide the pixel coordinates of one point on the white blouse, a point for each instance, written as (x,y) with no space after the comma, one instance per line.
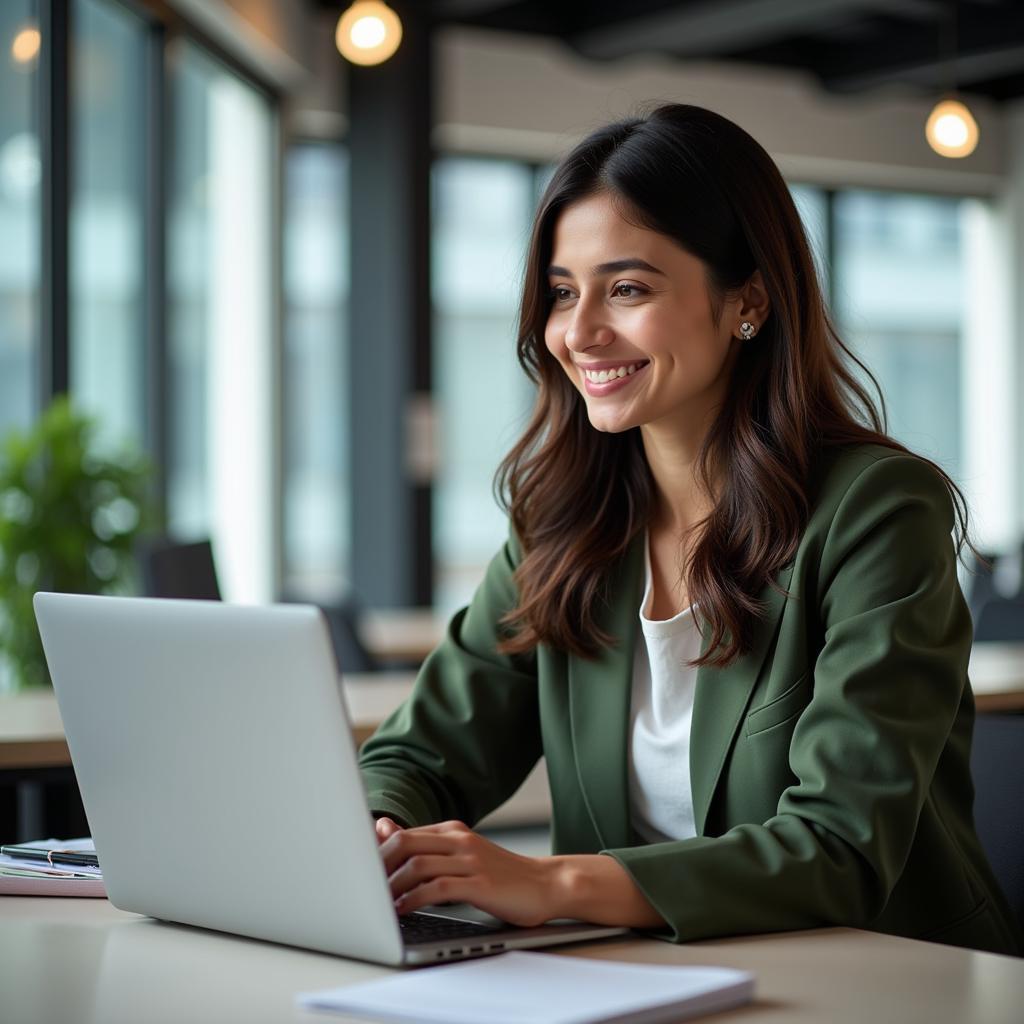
(661,802)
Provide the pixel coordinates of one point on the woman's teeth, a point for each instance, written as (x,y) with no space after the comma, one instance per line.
(603,376)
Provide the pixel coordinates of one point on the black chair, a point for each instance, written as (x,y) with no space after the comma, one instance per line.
(172,569)
(349,649)
(997,764)
(1000,620)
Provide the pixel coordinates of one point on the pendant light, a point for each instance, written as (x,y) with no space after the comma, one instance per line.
(951,129)
(25,47)
(368,33)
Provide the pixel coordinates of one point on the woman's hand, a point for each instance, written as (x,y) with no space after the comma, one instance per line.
(451,863)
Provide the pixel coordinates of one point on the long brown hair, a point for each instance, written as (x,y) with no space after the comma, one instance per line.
(701,180)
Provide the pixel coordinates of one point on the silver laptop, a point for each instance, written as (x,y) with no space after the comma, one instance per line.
(217,767)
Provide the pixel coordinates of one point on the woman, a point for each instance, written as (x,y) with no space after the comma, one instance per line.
(727,613)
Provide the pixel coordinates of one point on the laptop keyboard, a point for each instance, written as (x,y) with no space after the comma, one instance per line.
(417,928)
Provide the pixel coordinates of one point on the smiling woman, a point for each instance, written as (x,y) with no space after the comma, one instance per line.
(727,613)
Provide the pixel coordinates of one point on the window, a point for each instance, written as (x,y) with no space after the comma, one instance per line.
(220,321)
(20,173)
(316,474)
(108,328)
(812,205)
(899,305)
(482,211)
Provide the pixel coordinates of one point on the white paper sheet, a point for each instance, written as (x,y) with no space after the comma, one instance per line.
(541,988)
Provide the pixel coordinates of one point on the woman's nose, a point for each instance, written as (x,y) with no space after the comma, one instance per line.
(587,329)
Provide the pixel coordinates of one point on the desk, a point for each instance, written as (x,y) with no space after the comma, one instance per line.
(82,960)
(997,676)
(401,634)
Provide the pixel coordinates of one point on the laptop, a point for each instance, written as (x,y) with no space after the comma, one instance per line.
(217,766)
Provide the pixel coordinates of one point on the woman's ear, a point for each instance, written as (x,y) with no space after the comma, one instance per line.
(754,307)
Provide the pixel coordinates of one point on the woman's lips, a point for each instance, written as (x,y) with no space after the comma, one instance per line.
(615,384)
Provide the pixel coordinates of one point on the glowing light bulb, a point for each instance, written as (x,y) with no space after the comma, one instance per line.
(951,130)
(25,47)
(369,32)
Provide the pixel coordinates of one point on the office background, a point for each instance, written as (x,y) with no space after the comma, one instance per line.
(183,185)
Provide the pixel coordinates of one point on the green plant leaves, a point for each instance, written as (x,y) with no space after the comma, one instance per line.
(69,517)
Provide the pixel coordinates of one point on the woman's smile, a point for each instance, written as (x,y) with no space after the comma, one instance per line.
(601,379)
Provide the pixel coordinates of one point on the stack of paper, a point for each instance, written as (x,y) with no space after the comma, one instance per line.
(21,877)
(541,988)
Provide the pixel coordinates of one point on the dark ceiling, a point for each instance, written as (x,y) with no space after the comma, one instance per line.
(849,45)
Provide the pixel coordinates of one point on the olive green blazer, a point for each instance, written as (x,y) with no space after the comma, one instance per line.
(828,765)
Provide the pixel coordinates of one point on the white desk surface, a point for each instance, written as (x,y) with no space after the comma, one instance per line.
(83,961)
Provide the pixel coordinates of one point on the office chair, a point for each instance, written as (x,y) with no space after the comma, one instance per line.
(997,764)
(1000,620)
(172,569)
(349,649)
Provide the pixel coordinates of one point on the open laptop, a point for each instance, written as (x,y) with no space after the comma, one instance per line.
(218,770)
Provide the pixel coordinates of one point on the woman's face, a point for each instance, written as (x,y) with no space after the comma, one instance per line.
(631,323)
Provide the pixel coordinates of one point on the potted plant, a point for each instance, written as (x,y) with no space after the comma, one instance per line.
(69,515)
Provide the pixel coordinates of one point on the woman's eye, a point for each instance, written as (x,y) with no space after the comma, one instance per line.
(627,291)
(558,294)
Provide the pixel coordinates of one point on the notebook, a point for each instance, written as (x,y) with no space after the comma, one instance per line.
(218,770)
(539,988)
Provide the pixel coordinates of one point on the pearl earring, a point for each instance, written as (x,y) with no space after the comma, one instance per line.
(747,330)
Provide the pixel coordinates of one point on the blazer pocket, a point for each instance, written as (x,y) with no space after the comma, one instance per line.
(788,704)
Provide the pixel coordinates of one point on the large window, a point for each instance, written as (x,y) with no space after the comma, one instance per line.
(482,211)
(899,303)
(220,321)
(20,173)
(108,326)
(316,272)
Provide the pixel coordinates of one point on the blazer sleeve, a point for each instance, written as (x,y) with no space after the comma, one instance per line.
(887,685)
(469,733)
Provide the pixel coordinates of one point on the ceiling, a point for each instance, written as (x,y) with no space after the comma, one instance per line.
(849,45)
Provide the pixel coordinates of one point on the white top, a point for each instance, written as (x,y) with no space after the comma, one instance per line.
(661,802)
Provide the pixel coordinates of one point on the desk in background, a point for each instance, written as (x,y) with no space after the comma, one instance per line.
(83,960)
(401,634)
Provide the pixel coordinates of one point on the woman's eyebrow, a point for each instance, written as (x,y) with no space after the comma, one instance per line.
(613,267)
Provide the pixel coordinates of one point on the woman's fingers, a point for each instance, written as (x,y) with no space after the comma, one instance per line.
(447,889)
(426,867)
(402,845)
(386,828)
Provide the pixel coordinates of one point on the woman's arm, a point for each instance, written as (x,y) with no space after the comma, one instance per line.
(470,732)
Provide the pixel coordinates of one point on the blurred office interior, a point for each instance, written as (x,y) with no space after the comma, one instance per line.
(293,281)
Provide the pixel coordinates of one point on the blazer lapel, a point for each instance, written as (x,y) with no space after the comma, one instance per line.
(599,699)
(721,699)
